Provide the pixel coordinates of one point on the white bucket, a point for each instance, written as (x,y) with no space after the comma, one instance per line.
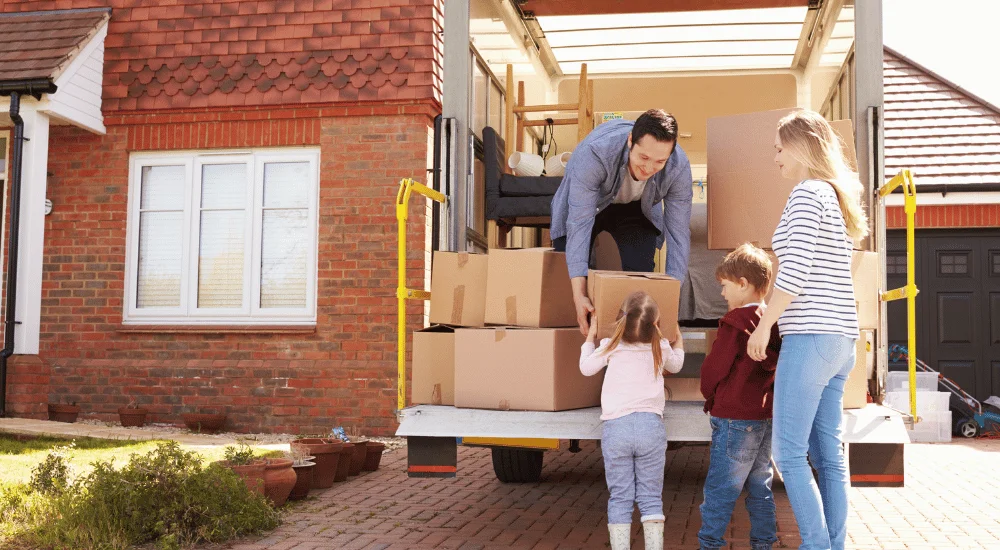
(556,166)
(526,164)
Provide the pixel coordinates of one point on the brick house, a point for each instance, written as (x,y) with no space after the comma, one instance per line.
(221,232)
(950,139)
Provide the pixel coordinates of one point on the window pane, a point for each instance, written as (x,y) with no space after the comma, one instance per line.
(284,259)
(496,109)
(3,155)
(223,186)
(480,82)
(160,240)
(286,184)
(220,259)
(162,188)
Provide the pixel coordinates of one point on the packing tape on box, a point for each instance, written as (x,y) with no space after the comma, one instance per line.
(499,334)
(457,305)
(512,310)
(463,258)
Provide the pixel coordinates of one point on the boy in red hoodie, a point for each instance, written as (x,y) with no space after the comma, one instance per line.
(738,394)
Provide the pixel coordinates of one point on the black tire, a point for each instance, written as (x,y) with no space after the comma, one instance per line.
(517,465)
(969,429)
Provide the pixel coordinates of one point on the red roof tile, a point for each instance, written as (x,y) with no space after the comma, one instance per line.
(945,134)
(263,52)
(40,45)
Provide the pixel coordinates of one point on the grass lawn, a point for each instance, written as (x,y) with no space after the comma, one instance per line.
(20,454)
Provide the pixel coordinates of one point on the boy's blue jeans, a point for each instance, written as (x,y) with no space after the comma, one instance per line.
(740,459)
(635,451)
(808,408)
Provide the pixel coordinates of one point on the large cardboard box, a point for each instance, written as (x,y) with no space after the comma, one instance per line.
(433,367)
(458,289)
(866,276)
(529,288)
(699,340)
(746,193)
(522,369)
(608,289)
(682,389)
(856,388)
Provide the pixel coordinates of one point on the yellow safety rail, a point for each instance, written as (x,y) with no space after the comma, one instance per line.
(904,179)
(406,187)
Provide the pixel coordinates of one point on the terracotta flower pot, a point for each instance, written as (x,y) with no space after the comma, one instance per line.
(132,418)
(328,455)
(252,474)
(373,457)
(303,480)
(358,458)
(204,422)
(279,478)
(344,468)
(63,413)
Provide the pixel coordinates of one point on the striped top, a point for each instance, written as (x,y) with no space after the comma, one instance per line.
(814,263)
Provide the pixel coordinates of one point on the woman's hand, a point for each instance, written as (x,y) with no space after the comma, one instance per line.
(757,344)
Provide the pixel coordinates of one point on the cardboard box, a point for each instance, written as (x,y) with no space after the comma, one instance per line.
(856,388)
(866,276)
(608,289)
(682,389)
(522,369)
(433,367)
(529,288)
(746,193)
(458,289)
(699,340)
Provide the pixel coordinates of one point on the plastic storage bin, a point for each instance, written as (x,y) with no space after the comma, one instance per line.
(935,428)
(900,381)
(927,401)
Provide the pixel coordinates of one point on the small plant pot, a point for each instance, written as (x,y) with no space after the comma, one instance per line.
(358,458)
(63,413)
(303,480)
(327,455)
(373,456)
(204,422)
(132,418)
(344,467)
(252,474)
(279,478)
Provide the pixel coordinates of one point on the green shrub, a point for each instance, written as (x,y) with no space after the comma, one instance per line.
(52,476)
(164,497)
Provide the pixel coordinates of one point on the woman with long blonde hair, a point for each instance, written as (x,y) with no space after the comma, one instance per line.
(813,305)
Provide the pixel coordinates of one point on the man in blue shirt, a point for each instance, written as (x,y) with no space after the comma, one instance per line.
(632,180)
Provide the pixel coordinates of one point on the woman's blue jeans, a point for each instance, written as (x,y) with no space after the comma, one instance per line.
(808,408)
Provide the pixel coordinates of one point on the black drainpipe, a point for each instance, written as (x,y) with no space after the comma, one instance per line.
(15,89)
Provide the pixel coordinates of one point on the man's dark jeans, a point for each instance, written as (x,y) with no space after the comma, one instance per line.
(634,234)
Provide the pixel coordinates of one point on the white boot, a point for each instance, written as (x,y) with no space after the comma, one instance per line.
(653,533)
(621,535)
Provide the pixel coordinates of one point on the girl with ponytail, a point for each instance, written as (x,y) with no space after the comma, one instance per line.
(814,307)
(633,438)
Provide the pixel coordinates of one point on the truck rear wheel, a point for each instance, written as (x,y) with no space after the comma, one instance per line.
(517,465)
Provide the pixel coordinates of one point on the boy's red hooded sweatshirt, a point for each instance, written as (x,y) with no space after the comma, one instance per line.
(735,386)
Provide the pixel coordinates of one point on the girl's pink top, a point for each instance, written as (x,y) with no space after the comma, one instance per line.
(631,384)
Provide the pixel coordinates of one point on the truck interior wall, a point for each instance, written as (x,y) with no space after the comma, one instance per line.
(692,100)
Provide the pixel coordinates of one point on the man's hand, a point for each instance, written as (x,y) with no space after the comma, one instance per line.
(584,307)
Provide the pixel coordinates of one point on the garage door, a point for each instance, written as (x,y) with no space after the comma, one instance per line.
(958,308)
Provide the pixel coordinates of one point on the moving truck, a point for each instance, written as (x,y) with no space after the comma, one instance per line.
(727,75)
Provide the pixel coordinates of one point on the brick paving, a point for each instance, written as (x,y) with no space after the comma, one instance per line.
(951,500)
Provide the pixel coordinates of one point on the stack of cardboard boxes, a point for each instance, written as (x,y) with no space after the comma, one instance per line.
(504,332)
(746,196)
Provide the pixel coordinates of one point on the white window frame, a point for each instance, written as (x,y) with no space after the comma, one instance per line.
(188,314)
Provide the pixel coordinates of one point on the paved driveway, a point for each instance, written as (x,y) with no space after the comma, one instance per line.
(952,500)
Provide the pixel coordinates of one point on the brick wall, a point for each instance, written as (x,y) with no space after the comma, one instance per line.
(946,216)
(343,373)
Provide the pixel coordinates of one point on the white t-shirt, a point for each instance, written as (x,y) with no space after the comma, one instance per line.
(631,190)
